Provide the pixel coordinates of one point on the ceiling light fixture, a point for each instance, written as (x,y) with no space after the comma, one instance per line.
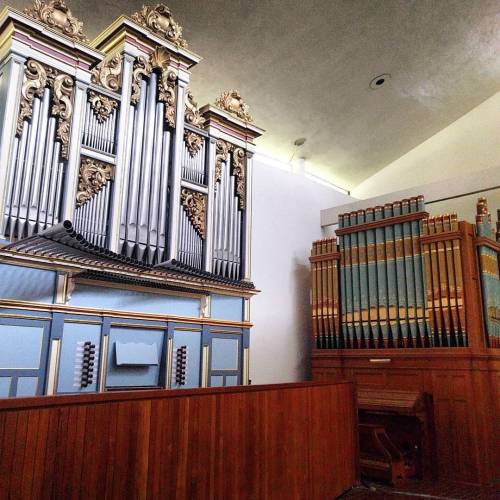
(379,81)
(297,143)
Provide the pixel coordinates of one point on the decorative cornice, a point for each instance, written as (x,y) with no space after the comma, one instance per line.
(195,205)
(192,113)
(232,102)
(108,73)
(221,151)
(62,109)
(94,175)
(101,105)
(193,141)
(57,16)
(159,20)
(239,172)
(35,81)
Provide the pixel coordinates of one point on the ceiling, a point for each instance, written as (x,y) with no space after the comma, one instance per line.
(304,67)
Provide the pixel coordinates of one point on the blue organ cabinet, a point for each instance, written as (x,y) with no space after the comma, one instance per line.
(125,209)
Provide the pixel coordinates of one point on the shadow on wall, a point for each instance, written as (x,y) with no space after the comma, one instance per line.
(302,277)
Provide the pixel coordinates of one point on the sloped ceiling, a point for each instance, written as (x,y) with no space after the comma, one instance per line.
(304,67)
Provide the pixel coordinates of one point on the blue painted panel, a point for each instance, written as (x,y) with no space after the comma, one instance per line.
(26,283)
(216,381)
(70,358)
(21,346)
(5,386)
(26,386)
(226,307)
(231,380)
(225,354)
(133,376)
(133,300)
(193,342)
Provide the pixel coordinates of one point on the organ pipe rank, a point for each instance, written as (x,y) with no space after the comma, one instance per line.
(397,278)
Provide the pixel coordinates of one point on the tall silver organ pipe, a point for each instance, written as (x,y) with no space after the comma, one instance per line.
(190,242)
(144,208)
(227,226)
(33,189)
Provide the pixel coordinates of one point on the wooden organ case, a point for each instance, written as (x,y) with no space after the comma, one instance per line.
(125,209)
(408,306)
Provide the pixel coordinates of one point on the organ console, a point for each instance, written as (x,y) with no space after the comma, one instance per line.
(402,301)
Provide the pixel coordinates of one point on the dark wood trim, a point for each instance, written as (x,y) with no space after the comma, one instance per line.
(325,256)
(399,219)
(487,242)
(446,236)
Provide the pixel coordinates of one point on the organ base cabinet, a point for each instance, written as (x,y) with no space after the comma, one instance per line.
(465,388)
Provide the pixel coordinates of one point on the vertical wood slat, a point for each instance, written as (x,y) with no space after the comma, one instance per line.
(285,441)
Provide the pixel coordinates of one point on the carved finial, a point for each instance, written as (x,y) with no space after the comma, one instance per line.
(159,20)
(232,102)
(57,15)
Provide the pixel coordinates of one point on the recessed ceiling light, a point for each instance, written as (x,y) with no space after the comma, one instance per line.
(379,81)
(300,141)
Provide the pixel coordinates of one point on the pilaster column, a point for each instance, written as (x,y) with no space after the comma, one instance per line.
(247,236)
(209,239)
(11,80)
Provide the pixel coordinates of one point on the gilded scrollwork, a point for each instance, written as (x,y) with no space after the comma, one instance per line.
(62,109)
(239,172)
(108,73)
(192,113)
(221,152)
(159,20)
(33,85)
(232,102)
(102,106)
(160,60)
(94,175)
(193,141)
(142,68)
(57,16)
(195,205)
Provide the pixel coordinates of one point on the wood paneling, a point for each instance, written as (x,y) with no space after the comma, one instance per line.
(289,441)
(464,384)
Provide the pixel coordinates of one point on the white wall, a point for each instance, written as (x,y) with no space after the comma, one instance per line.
(471,143)
(286,219)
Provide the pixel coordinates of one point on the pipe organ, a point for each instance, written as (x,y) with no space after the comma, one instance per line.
(120,197)
(407,306)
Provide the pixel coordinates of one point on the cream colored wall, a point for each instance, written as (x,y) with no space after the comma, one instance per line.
(472,143)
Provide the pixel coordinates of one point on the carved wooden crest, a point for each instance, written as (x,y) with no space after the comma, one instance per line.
(192,114)
(57,15)
(232,102)
(195,205)
(159,20)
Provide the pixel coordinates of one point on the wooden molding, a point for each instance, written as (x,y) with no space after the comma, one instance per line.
(399,219)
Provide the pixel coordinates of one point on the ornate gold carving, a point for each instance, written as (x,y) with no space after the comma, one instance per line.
(195,205)
(193,142)
(159,20)
(57,15)
(232,102)
(108,73)
(142,67)
(94,175)
(239,172)
(221,151)
(160,59)
(101,105)
(192,113)
(62,109)
(36,79)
